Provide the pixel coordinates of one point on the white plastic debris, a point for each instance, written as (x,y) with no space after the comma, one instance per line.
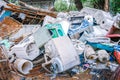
(24,31)
(41,36)
(79,46)
(99,39)
(99,32)
(65,26)
(48,20)
(26,49)
(89,18)
(113,66)
(74,13)
(104,19)
(22,16)
(117,21)
(89,53)
(62,15)
(88,11)
(23,66)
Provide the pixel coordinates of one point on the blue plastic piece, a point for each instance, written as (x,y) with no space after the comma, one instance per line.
(117,47)
(82,59)
(79,27)
(5,14)
(1,18)
(106,47)
(112,58)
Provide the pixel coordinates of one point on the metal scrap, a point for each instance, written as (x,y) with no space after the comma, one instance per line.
(38,41)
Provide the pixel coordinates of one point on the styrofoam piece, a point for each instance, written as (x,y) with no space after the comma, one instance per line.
(23,66)
(63,49)
(104,19)
(26,49)
(88,11)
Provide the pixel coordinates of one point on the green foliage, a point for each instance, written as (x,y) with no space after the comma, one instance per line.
(99,4)
(87,3)
(62,5)
(72,6)
(115,6)
(83,0)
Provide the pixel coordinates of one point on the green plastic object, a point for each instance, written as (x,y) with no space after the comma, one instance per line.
(6,43)
(55,30)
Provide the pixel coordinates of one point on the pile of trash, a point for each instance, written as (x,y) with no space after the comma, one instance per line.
(58,42)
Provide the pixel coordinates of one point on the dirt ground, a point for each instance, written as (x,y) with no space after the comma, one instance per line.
(81,76)
(42,76)
(36,74)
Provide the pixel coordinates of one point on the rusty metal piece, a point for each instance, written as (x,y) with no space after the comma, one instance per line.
(27,9)
(9,26)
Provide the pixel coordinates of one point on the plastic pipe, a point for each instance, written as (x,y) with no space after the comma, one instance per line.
(23,66)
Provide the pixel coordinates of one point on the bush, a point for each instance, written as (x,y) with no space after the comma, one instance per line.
(62,5)
(115,6)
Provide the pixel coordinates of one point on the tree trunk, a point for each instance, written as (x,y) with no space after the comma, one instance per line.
(106,5)
(78,4)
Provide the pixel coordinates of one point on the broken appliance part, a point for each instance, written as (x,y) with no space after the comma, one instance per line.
(62,53)
(26,49)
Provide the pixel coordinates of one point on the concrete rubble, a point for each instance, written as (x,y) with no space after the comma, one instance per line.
(73,42)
